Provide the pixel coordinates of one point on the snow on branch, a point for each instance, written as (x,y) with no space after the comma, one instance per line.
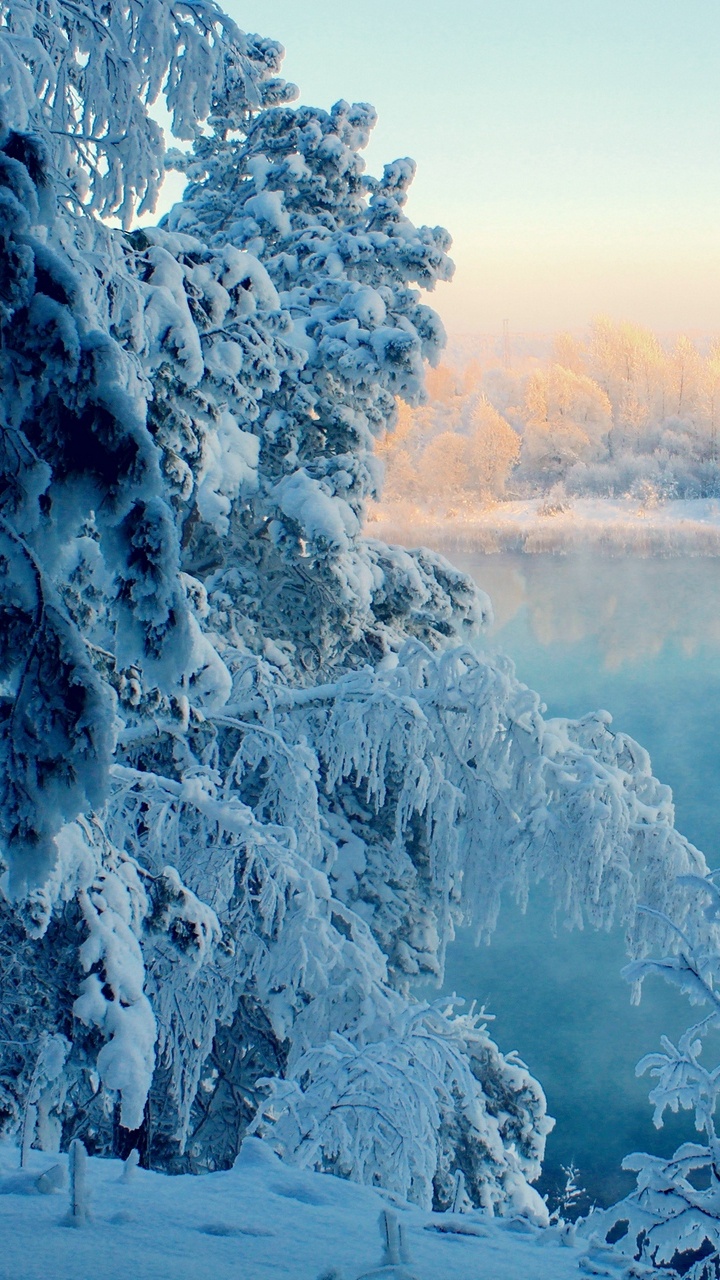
(84,77)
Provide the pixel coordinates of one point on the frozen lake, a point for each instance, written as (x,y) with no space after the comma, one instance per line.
(641,638)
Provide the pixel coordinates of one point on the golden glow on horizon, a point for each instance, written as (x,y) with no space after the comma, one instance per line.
(554,286)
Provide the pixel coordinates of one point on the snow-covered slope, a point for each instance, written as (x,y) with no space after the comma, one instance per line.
(260,1219)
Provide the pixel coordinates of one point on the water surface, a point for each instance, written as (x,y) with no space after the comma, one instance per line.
(640,638)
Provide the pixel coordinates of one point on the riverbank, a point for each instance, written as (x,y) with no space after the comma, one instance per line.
(609,526)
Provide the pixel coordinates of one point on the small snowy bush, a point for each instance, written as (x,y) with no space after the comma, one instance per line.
(673,1216)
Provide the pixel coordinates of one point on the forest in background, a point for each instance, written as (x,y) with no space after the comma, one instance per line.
(618,412)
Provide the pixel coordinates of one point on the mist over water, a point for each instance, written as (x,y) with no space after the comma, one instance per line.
(640,638)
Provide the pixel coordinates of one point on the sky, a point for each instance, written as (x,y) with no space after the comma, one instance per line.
(570,146)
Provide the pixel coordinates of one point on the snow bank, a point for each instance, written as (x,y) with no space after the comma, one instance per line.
(260,1220)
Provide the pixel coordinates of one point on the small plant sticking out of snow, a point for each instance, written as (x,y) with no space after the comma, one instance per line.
(461,1201)
(570,1197)
(395,1251)
(52,1180)
(646,494)
(77,1213)
(391,1236)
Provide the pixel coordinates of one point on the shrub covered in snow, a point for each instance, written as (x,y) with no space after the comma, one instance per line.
(672,1218)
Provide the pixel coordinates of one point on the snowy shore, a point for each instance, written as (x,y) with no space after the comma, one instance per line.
(610,526)
(260,1220)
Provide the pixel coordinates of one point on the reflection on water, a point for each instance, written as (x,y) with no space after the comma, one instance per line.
(640,638)
(630,610)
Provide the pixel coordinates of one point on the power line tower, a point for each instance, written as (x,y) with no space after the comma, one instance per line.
(506,343)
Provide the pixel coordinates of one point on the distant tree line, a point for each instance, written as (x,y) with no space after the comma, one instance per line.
(618,413)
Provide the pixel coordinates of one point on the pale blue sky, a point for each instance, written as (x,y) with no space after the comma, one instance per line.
(572,147)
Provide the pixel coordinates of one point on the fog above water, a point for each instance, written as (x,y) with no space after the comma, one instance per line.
(640,638)
(631,608)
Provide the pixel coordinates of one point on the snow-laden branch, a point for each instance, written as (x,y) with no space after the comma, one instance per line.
(85,77)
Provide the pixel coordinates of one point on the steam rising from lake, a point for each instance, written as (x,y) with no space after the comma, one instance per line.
(631,609)
(640,638)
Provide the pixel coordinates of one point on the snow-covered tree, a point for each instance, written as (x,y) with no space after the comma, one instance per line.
(567,420)
(255,769)
(617,414)
(494,449)
(444,466)
(83,78)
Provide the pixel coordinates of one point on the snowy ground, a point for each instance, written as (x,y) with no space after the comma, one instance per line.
(611,525)
(259,1220)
